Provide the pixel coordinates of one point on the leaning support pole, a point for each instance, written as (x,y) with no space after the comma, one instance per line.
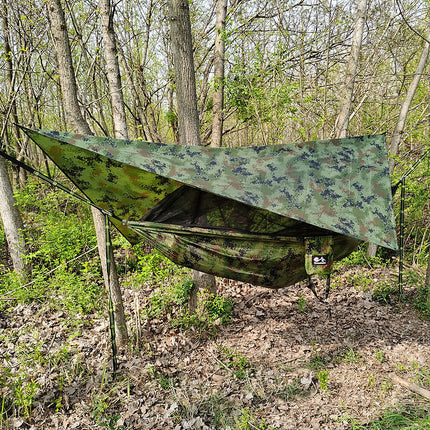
(111,306)
(402,233)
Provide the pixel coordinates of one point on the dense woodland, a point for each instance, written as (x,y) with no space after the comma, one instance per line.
(265,73)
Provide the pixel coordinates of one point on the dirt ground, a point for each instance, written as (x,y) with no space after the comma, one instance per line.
(286,361)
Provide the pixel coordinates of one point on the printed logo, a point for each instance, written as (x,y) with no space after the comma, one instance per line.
(319,260)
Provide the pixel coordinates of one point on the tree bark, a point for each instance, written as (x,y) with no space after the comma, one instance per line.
(189,125)
(218,95)
(12,223)
(113,71)
(182,50)
(79,125)
(12,114)
(342,122)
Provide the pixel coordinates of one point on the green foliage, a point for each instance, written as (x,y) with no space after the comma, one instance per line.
(153,267)
(383,293)
(167,298)
(255,89)
(351,356)
(171,117)
(211,312)
(58,227)
(323,378)
(219,308)
(248,421)
(170,299)
(359,258)
(234,360)
(302,303)
(58,230)
(417,207)
(421,301)
(380,356)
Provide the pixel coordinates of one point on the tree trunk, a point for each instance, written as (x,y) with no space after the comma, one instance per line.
(342,121)
(79,125)
(189,125)
(113,72)
(12,111)
(12,223)
(218,95)
(398,131)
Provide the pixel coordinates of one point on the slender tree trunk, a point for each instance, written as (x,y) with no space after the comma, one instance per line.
(218,95)
(113,71)
(189,125)
(20,177)
(79,125)
(342,122)
(11,218)
(398,131)
(12,223)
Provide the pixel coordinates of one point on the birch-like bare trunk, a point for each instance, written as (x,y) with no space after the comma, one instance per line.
(79,125)
(189,125)
(342,121)
(12,223)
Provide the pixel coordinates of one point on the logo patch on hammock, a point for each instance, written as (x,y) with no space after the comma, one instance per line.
(319,260)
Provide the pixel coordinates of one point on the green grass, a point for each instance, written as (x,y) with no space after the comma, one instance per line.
(402,418)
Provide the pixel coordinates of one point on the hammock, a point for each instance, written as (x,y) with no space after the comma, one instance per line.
(268,215)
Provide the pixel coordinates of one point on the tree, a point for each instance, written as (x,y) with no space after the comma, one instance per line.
(401,120)
(218,94)
(112,68)
(189,125)
(12,223)
(79,125)
(11,218)
(342,122)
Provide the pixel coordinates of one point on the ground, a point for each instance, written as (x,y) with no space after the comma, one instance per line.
(285,361)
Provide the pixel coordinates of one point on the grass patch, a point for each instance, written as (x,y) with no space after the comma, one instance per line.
(401,418)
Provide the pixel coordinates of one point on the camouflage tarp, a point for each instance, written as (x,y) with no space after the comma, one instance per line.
(232,211)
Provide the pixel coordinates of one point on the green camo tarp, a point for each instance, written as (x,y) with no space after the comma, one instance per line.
(242,213)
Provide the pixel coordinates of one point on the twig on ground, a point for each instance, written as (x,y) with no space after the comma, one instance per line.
(411,386)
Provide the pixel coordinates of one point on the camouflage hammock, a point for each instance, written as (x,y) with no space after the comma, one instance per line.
(268,215)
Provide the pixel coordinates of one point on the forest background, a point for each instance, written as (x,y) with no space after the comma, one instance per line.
(285,72)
